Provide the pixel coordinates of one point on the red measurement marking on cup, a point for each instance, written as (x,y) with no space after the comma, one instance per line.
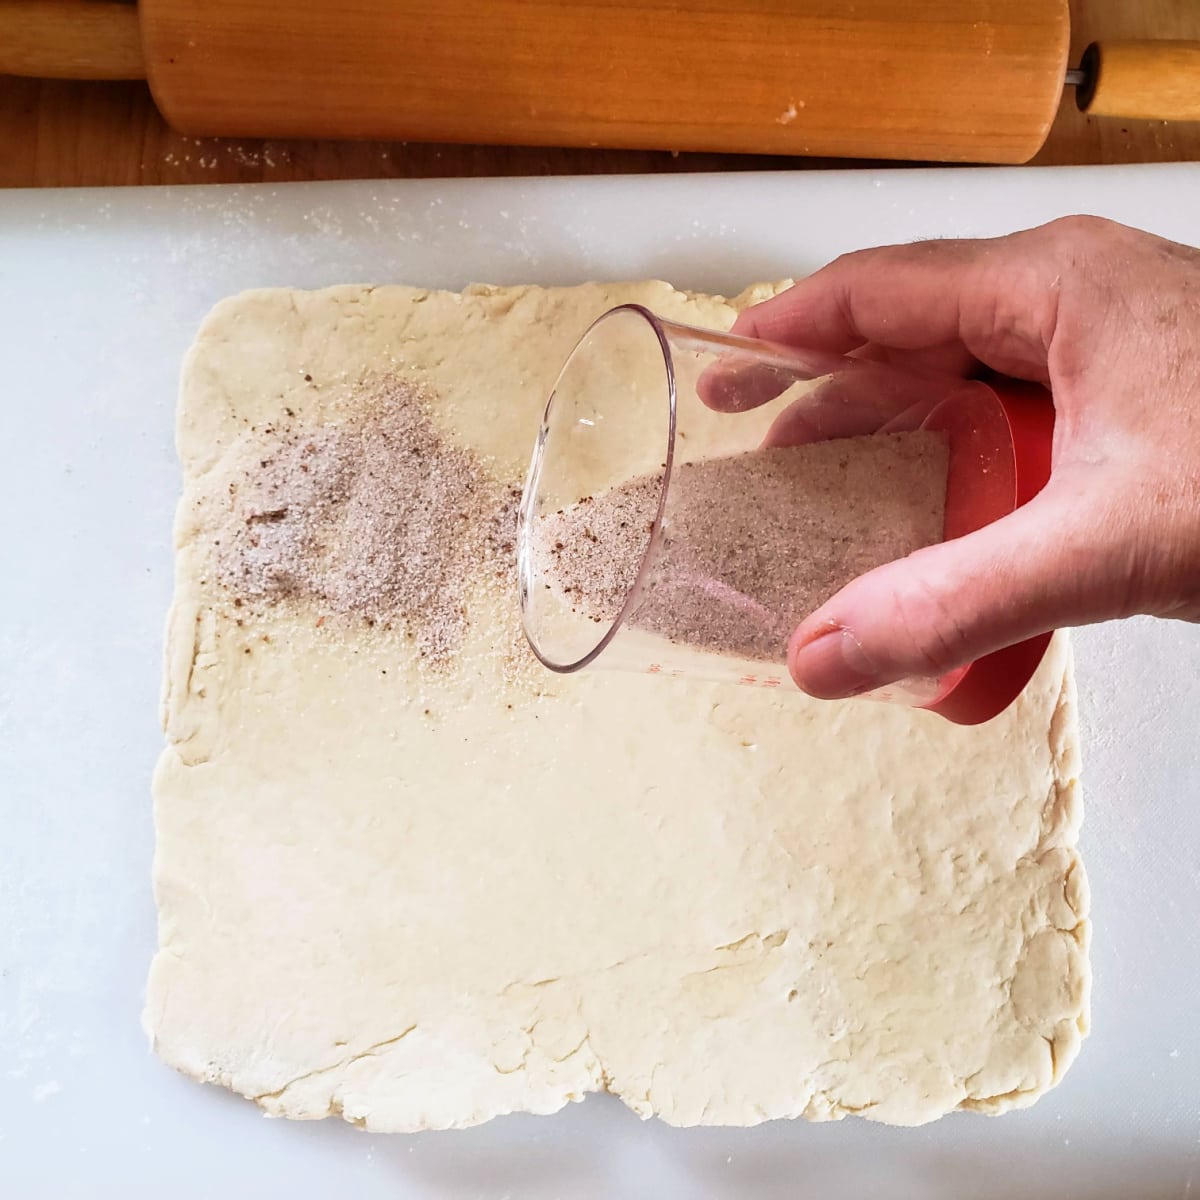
(755,681)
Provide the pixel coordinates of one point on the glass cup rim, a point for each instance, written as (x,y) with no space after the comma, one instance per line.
(526,514)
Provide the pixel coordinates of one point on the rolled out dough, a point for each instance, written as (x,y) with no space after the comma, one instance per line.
(420,900)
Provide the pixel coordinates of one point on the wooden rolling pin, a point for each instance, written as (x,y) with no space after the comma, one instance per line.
(947,80)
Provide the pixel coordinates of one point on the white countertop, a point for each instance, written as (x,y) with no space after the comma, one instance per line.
(100,294)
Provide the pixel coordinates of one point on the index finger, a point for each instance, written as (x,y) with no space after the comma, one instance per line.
(996,297)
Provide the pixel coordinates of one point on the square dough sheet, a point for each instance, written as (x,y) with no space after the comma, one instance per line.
(405,877)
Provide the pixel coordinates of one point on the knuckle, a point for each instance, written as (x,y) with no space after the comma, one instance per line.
(928,626)
(1084,228)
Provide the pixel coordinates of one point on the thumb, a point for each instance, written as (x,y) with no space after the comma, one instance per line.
(947,605)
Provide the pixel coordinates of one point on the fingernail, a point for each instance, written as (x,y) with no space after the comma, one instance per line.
(832,665)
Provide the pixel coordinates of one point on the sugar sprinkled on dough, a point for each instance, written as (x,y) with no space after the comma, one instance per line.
(378,517)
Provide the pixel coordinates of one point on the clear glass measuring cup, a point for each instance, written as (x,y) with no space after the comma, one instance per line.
(694,495)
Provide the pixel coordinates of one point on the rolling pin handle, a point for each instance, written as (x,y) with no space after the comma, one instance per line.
(70,39)
(1144,80)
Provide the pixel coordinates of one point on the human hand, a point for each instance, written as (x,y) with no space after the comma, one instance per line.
(1105,316)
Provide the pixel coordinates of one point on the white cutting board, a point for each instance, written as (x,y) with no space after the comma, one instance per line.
(100,294)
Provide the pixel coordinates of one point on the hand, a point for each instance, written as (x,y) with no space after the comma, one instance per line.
(1109,319)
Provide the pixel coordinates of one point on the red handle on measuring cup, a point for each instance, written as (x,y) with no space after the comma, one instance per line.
(1015,469)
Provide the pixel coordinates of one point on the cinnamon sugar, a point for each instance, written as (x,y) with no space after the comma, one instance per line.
(378,518)
(752,543)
